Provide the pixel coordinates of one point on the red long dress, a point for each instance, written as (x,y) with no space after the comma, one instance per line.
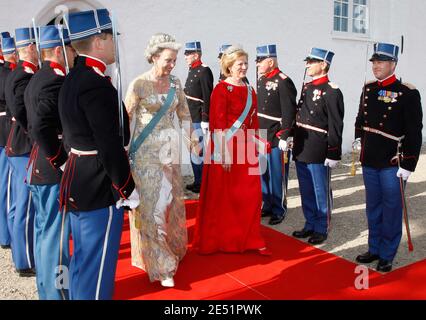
(229,213)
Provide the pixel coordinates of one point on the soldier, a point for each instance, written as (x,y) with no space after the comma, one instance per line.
(7,63)
(198,89)
(18,150)
(97,182)
(51,227)
(389,131)
(317,144)
(277,111)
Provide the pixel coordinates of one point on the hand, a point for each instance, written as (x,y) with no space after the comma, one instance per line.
(331,163)
(226,167)
(132,202)
(290,142)
(205,127)
(356,145)
(283,146)
(404,174)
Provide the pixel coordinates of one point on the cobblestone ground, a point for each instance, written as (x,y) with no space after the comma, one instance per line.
(348,236)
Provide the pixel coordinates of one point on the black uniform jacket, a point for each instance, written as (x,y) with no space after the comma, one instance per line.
(277,105)
(198,89)
(393,108)
(319,123)
(18,141)
(88,108)
(44,125)
(5,117)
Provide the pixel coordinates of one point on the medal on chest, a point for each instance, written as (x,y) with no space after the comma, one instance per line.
(270,85)
(387,96)
(317,94)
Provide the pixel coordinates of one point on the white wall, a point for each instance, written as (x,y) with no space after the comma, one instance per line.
(295,26)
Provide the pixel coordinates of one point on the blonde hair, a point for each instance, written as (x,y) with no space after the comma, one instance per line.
(232,54)
(158,43)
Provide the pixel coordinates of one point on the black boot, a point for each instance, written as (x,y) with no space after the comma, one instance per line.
(367,258)
(302,234)
(384,266)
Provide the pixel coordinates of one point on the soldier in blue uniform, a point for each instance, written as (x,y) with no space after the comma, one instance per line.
(5,68)
(389,131)
(51,227)
(277,111)
(18,150)
(317,144)
(198,89)
(97,182)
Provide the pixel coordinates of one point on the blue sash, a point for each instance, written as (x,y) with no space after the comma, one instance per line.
(136,144)
(237,124)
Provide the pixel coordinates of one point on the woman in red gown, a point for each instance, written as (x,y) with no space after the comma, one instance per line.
(229,213)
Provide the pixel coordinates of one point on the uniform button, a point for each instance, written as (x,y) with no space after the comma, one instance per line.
(269,94)
(366,122)
(37,171)
(368,89)
(366,97)
(400,93)
(390,108)
(125,192)
(365,113)
(301,101)
(312,112)
(385,116)
(71,199)
(365,105)
(381,124)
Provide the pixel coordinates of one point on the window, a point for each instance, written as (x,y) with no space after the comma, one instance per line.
(351,16)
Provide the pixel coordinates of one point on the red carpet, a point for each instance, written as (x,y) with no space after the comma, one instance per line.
(294,271)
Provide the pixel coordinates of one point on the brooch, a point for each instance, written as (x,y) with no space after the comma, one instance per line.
(230,88)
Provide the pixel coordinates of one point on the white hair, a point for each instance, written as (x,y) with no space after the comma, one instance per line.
(158,43)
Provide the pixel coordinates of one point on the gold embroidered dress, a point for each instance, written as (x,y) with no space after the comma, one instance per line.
(158,227)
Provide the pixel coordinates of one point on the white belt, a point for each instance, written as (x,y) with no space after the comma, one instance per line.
(384,134)
(261,115)
(194,99)
(307,126)
(84,153)
(2,114)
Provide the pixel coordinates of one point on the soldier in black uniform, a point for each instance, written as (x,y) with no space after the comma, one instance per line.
(51,227)
(277,111)
(198,89)
(317,145)
(5,68)
(389,130)
(18,149)
(97,182)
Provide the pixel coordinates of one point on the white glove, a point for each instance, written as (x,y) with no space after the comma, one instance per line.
(283,146)
(356,145)
(404,174)
(133,201)
(290,142)
(205,127)
(331,163)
